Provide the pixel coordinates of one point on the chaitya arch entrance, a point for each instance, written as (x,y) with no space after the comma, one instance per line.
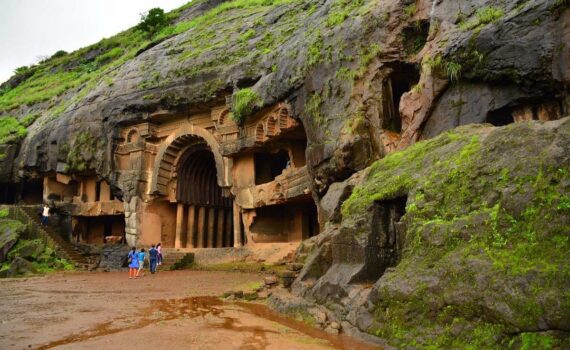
(204,209)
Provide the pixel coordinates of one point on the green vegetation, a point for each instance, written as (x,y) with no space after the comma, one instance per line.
(244,103)
(438,65)
(240,267)
(483,16)
(187,262)
(410,10)
(42,258)
(313,108)
(459,234)
(315,51)
(11,130)
(81,153)
(79,71)
(341,10)
(153,20)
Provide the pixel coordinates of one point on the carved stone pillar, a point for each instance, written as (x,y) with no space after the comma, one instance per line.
(201,226)
(211,226)
(179,226)
(191,231)
(220,229)
(237,226)
(228,232)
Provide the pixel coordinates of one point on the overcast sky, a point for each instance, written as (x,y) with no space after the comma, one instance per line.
(33,28)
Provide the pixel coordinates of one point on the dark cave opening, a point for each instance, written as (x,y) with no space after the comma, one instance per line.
(32,191)
(270,165)
(402,79)
(7,193)
(385,244)
(415,37)
(501,117)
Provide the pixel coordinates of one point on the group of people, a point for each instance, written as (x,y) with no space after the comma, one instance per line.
(137,260)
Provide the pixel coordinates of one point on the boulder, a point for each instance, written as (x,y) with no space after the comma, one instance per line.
(27,249)
(10,231)
(19,267)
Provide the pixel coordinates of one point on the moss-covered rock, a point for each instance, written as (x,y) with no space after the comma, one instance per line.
(10,231)
(484,256)
(27,249)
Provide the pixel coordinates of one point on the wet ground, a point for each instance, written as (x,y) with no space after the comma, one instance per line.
(172,310)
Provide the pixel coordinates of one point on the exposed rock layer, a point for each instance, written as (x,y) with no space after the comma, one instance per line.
(479,253)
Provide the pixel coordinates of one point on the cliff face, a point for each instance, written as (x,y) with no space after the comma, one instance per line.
(451,244)
(343,65)
(478,217)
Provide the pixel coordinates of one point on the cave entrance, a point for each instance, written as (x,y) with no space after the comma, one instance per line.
(98,230)
(385,245)
(525,111)
(204,210)
(291,222)
(7,193)
(501,117)
(415,37)
(32,191)
(401,80)
(270,165)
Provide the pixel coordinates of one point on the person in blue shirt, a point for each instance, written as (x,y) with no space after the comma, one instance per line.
(133,263)
(153,255)
(141,257)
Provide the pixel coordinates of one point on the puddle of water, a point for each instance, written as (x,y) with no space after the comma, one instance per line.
(212,307)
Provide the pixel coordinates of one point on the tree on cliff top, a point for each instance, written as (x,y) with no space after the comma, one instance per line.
(153,20)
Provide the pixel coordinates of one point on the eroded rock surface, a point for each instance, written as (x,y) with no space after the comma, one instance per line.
(470,259)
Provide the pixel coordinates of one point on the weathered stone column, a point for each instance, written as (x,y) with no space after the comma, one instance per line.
(220,229)
(191,232)
(179,226)
(228,232)
(237,226)
(131,222)
(211,226)
(201,226)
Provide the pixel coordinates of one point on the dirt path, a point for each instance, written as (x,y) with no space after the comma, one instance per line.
(173,310)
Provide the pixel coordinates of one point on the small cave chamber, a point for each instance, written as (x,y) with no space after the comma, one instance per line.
(401,80)
(291,222)
(386,241)
(8,193)
(60,188)
(415,37)
(32,191)
(525,111)
(270,165)
(98,230)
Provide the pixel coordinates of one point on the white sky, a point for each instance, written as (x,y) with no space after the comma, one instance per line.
(33,28)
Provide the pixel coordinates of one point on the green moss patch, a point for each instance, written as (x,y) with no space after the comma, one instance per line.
(486,249)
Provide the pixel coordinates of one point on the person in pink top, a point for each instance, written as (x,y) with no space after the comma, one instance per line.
(159,249)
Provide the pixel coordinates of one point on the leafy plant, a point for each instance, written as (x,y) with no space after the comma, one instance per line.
(453,70)
(59,54)
(11,130)
(244,103)
(483,16)
(410,10)
(153,20)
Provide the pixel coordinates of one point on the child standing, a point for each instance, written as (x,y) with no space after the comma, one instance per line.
(141,257)
(133,263)
(159,250)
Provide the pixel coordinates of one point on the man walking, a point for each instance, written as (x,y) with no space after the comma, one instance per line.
(45,215)
(153,255)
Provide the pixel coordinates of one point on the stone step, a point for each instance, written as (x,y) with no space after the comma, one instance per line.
(63,248)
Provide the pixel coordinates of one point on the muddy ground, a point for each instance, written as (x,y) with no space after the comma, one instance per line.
(170,310)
